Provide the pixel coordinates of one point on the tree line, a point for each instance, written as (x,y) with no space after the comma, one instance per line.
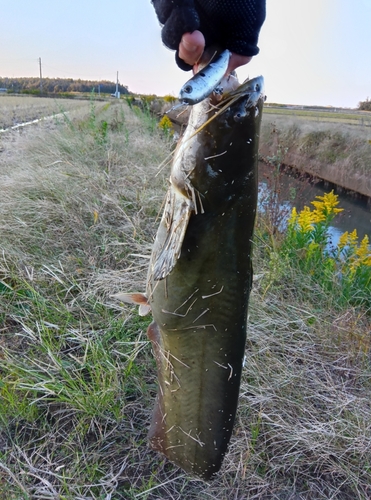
(365,105)
(59,85)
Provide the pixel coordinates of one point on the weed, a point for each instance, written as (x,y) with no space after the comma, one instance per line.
(346,268)
(166,126)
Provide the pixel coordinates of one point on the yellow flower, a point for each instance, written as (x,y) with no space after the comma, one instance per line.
(363,251)
(362,254)
(320,206)
(343,240)
(293,217)
(165,124)
(327,205)
(318,216)
(305,220)
(353,238)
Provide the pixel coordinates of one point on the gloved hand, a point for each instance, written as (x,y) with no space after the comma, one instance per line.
(232,24)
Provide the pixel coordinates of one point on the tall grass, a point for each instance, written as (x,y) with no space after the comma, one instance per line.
(77,219)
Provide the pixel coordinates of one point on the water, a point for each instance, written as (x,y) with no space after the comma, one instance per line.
(298,193)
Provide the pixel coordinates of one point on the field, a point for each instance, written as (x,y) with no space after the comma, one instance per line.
(15,110)
(78,213)
(350,117)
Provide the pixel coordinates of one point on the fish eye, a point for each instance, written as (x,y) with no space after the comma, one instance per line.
(202,73)
(188,89)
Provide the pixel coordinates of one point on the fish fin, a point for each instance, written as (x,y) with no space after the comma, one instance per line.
(176,216)
(153,333)
(144,309)
(135,298)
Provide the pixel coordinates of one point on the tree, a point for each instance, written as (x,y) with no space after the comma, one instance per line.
(365,105)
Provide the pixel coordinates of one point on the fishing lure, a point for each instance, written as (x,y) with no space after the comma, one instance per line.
(202,84)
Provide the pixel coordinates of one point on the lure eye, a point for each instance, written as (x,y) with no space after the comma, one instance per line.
(188,89)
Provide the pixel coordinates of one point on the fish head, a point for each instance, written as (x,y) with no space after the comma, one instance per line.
(249,93)
(227,154)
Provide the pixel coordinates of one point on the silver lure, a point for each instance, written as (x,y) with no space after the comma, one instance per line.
(204,82)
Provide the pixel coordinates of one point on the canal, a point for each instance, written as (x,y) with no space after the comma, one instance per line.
(293,191)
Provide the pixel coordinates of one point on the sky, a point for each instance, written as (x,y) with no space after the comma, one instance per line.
(312,52)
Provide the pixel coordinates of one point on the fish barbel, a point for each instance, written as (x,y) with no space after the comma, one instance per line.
(200,278)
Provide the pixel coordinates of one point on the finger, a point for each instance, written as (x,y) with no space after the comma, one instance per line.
(191,47)
(236,61)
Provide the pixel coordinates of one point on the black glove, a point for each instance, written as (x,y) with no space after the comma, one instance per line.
(232,24)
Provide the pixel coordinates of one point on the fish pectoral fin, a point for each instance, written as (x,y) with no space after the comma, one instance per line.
(137,299)
(144,309)
(177,217)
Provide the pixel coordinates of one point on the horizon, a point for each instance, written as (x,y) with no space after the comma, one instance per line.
(267,103)
(305,57)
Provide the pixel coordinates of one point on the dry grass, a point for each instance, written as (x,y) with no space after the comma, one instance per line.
(336,152)
(77,218)
(20,109)
(342,116)
(326,142)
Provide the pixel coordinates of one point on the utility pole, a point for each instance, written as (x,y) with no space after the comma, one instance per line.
(41,77)
(117,87)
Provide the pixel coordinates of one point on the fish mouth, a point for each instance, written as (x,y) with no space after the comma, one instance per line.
(252,89)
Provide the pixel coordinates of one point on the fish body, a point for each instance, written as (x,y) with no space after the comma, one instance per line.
(206,80)
(200,278)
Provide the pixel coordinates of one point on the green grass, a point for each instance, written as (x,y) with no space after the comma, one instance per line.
(78,214)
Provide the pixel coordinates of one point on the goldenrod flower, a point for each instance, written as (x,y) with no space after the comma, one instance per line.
(293,217)
(343,240)
(305,219)
(165,124)
(363,251)
(362,254)
(353,238)
(327,205)
(318,216)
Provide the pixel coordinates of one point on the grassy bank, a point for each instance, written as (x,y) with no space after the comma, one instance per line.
(337,151)
(77,220)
